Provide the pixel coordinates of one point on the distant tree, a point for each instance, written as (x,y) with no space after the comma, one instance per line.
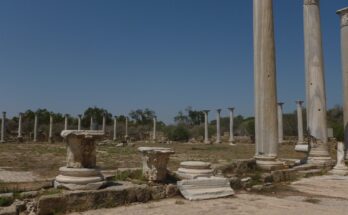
(192,117)
(142,117)
(97,114)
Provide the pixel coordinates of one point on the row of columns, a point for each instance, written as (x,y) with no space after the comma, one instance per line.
(218,128)
(265,84)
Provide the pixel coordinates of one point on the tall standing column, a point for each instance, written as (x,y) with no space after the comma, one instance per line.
(315,86)
(154,129)
(50,136)
(299,123)
(343,13)
(20,137)
(266,132)
(91,125)
(126,129)
(115,128)
(218,130)
(280,123)
(3,127)
(206,131)
(66,122)
(79,122)
(35,128)
(231,140)
(104,123)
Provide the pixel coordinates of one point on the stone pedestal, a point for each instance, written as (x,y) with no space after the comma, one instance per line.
(80,172)
(155,162)
(315,85)
(266,125)
(194,169)
(206,131)
(340,168)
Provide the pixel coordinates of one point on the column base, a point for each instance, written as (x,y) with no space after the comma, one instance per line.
(339,170)
(79,179)
(207,142)
(301,148)
(232,143)
(268,163)
(319,157)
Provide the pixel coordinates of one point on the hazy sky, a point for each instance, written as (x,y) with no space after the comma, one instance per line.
(67,55)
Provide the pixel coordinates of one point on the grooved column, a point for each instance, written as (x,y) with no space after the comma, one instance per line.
(218,131)
(35,128)
(91,124)
(50,137)
(315,86)
(79,122)
(3,127)
(115,128)
(154,129)
(266,132)
(66,122)
(126,129)
(20,137)
(206,131)
(280,122)
(299,123)
(104,122)
(343,13)
(231,140)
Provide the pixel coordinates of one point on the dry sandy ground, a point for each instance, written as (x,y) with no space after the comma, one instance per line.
(318,195)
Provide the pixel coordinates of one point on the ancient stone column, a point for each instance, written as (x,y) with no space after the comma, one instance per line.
(299,123)
(2,140)
(80,172)
(343,13)
(126,129)
(206,131)
(280,123)
(115,128)
(315,86)
(218,131)
(50,136)
(341,167)
(20,137)
(66,122)
(266,132)
(79,122)
(91,125)
(154,129)
(104,123)
(35,128)
(231,140)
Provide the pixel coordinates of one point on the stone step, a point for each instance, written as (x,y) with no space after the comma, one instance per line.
(205,188)
(309,173)
(305,167)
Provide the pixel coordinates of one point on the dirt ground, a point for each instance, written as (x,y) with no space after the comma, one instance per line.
(322,195)
(43,160)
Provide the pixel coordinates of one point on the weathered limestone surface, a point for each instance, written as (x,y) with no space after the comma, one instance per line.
(340,168)
(315,84)
(80,172)
(205,188)
(194,169)
(155,160)
(266,132)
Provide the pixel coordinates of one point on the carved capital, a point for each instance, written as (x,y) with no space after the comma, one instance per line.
(311,2)
(344,16)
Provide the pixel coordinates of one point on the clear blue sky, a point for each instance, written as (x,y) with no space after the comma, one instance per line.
(67,55)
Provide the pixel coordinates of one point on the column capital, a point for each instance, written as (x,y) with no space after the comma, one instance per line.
(115,117)
(206,111)
(4,113)
(20,114)
(299,102)
(343,13)
(80,115)
(218,110)
(231,109)
(311,2)
(280,103)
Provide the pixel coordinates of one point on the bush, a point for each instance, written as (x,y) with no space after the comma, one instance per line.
(178,133)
